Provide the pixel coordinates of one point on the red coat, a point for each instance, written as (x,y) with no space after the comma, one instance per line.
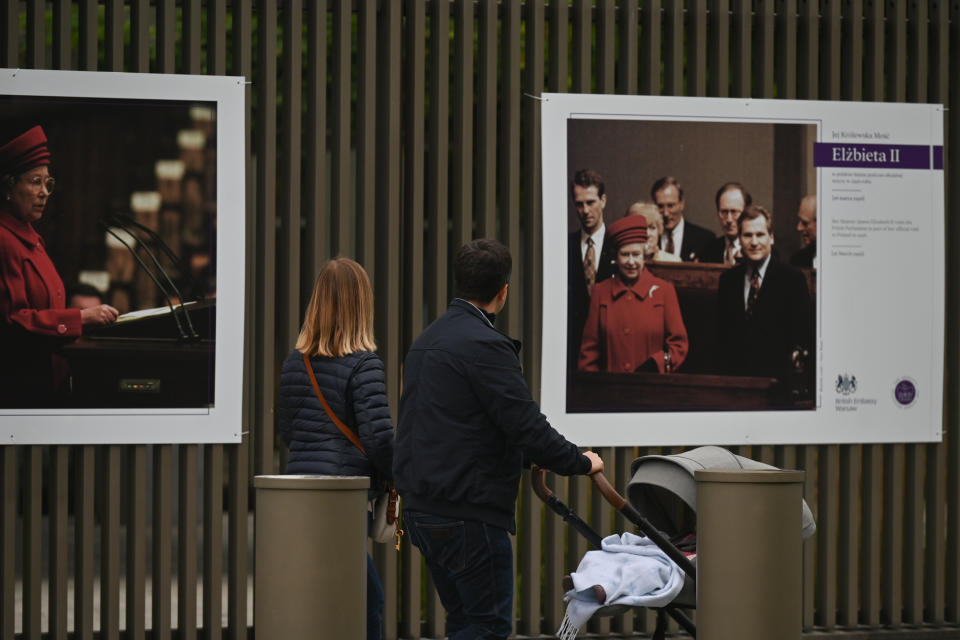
(32,315)
(627,325)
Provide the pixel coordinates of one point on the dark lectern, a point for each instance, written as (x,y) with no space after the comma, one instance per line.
(144,361)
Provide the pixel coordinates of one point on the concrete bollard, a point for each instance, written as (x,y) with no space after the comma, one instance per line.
(749,555)
(310,577)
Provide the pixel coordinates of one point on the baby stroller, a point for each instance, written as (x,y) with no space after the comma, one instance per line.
(661,502)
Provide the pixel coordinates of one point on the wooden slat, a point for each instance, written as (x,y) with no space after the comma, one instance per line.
(59,488)
(555,559)
(187,477)
(698,21)
(673,48)
(892,550)
(808,47)
(508,144)
(873,47)
(895,72)
(628,67)
(831,49)
(316,237)
(606,33)
(559,24)
(166,35)
(438,165)
(848,536)
(191,34)
(386,559)
(36,34)
(935,557)
(32,541)
(110,542)
(63,31)
(461,176)
(533,85)
(238,532)
(718,48)
(851,64)
(806,459)
(786,49)
(216,37)
(89,24)
(651,41)
(528,558)
(485,197)
(601,516)
(871,520)
(340,101)
(161,562)
(414,115)
(266,241)
(742,48)
(827,482)
(582,46)
(8,536)
(764,56)
(136,569)
(289,159)
(913,538)
(366,146)
(113,35)
(83,517)
(622,458)
(10,43)
(140,15)
(918,51)
(212,540)
(939,51)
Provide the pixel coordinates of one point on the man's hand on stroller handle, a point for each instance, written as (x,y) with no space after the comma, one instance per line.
(596,464)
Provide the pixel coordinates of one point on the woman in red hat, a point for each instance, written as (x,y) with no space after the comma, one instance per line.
(33,319)
(634,321)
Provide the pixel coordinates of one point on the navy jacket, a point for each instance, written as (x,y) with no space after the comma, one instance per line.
(353,386)
(467,421)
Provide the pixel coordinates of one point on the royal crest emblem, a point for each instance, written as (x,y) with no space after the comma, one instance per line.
(846,384)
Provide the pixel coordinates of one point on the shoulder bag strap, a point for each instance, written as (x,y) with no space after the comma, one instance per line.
(351,436)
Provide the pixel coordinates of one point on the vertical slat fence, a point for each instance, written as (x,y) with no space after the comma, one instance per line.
(393,132)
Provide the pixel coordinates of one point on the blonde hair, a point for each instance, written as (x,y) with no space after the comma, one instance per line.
(649,211)
(339,318)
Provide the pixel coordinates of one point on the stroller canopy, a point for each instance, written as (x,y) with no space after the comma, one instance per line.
(663,488)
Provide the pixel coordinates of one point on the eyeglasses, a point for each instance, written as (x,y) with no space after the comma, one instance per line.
(36,182)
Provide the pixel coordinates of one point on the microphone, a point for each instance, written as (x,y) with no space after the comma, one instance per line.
(156,237)
(120,222)
(106,227)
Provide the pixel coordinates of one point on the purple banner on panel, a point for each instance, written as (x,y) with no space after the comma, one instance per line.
(938,157)
(877,156)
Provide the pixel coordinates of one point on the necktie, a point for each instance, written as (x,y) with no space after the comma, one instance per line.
(728,254)
(589,266)
(754,292)
(669,247)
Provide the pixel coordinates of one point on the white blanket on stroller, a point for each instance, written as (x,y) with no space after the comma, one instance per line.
(631,569)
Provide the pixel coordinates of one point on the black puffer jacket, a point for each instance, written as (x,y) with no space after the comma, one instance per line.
(353,386)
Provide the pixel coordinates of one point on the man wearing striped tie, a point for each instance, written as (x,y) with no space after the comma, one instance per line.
(763,308)
(589,257)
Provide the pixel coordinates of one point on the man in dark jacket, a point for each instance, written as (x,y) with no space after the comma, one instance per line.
(467,422)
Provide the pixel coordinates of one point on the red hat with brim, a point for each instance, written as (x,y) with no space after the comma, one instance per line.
(628,229)
(25,152)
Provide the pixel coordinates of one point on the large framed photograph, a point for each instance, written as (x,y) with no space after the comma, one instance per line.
(121,276)
(729,273)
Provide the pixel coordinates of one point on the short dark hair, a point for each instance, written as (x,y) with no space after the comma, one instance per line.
(480,269)
(587,178)
(666,181)
(730,186)
(753,212)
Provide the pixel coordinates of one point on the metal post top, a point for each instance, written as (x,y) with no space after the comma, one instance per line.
(750,476)
(312,483)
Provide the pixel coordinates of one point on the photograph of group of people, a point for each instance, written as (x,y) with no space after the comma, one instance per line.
(691,252)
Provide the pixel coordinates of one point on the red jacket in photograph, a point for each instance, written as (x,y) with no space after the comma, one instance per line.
(627,325)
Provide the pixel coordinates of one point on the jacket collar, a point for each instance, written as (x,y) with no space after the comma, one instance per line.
(478,313)
(19,228)
(642,288)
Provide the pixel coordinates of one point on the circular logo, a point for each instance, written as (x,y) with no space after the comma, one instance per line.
(905,392)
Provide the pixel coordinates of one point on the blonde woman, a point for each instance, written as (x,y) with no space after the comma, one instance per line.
(651,214)
(337,338)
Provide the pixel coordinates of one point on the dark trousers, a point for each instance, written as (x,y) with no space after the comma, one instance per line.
(375,602)
(472,568)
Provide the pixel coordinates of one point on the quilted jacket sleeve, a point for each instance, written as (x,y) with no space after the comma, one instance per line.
(372,414)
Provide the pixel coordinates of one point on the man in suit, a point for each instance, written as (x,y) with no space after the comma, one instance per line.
(590,255)
(681,238)
(807,226)
(763,308)
(731,200)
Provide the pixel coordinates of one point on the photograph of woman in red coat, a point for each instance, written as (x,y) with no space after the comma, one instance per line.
(33,319)
(634,322)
